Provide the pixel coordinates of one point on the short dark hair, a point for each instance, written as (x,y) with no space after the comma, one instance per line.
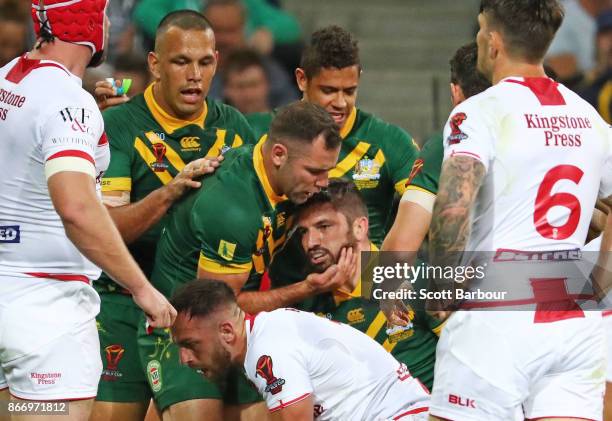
(303,121)
(330,47)
(183,19)
(464,73)
(342,195)
(239,60)
(527,26)
(202,297)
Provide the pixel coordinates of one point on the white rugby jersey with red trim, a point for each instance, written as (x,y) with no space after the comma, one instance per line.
(48,124)
(548,155)
(293,354)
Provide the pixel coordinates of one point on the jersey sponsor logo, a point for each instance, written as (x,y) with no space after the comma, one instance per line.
(154,374)
(113,354)
(10,234)
(46,378)
(78,118)
(226,250)
(159,150)
(460,401)
(190,143)
(355,316)
(456,134)
(263,369)
(416,168)
(366,173)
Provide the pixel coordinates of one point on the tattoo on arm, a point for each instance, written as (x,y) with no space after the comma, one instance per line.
(460,181)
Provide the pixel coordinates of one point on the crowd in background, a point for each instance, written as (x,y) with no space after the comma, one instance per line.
(260,43)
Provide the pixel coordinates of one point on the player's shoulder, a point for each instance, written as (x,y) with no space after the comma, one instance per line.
(376,130)
(126,111)
(222,115)
(260,122)
(269,324)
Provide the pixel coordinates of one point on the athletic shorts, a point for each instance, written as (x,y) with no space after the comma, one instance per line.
(48,339)
(172,382)
(122,377)
(500,365)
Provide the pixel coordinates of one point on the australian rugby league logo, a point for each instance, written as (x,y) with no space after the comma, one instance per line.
(263,369)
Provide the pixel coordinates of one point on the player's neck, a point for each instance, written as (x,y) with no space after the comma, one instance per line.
(73,57)
(242,340)
(519,69)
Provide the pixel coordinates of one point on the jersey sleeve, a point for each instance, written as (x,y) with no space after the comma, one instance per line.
(260,123)
(118,176)
(425,173)
(242,128)
(468,133)
(279,371)
(227,233)
(400,154)
(70,136)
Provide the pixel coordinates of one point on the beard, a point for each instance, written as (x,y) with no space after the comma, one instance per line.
(332,258)
(222,364)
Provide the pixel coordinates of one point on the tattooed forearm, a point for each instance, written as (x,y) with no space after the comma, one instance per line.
(450,227)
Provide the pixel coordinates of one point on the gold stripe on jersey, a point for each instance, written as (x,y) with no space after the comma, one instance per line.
(350,160)
(216,267)
(413,187)
(263,177)
(237,141)
(348,125)
(116,184)
(165,120)
(171,155)
(400,186)
(379,322)
(438,329)
(215,149)
(389,345)
(149,158)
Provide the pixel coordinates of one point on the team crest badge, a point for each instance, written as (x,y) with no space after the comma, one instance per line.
(366,173)
(264,370)
(456,134)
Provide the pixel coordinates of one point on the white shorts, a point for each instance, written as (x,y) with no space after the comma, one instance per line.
(499,365)
(49,347)
(607,322)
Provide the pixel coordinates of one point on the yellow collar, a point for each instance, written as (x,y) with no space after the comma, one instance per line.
(165,120)
(348,125)
(263,177)
(341,295)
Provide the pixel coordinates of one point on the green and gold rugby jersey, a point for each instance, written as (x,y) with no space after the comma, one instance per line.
(231,225)
(149,147)
(376,155)
(425,174)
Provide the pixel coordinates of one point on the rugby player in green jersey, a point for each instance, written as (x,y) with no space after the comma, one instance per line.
(414,213)
(227,230)
(157,142)
(335,219)
(376,155)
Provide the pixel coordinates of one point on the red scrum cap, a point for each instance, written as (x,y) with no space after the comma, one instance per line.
(76,21)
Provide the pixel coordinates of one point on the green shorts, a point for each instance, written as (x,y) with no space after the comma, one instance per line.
(171,382)
(122,378)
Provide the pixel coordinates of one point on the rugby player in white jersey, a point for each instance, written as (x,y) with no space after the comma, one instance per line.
(524,164)
(54,230)
(305,366)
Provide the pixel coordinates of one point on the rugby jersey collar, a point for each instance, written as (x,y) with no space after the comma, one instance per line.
(165,120)
(342,295)
(348,125)
(258,164)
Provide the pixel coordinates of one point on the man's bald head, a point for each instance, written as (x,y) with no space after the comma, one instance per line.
(187,20)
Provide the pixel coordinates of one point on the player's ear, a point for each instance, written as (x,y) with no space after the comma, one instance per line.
(496,44)
(360,228)
(227,334)
(153,62)
(456,92)
(280,154)
(301,79)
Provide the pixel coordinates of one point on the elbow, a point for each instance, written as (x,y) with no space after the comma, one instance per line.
(72,213)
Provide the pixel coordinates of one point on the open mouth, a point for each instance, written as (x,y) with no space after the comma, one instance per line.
(338,117)
(191,95)
(318,256)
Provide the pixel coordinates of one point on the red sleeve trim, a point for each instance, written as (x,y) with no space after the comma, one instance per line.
(103,140)
(288,403)
(72,153)
(473,155)
(60,276)
(411,412)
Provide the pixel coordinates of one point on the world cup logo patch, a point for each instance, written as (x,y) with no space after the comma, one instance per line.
(264,370)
